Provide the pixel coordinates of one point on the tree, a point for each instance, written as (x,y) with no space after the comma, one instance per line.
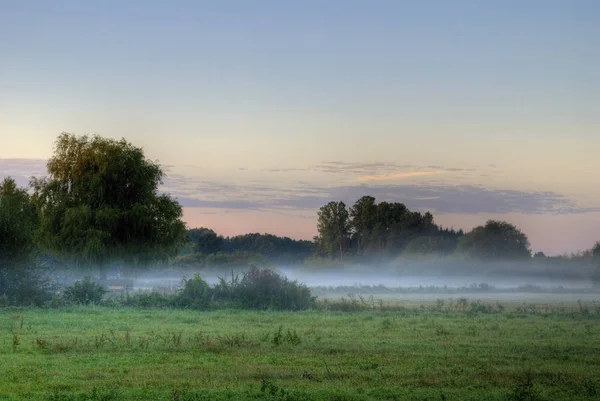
(206,241)
(21,279)
(100,204)
(18,222)
(596,251)
(333,227)
(495,240)
(363,217)
(596,259)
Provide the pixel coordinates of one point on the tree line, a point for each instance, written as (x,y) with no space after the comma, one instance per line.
(369,228)
(100,205)
(206,247)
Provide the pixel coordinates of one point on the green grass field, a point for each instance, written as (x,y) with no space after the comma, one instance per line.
(96,353)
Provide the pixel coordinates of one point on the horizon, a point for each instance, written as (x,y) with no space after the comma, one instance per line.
(260,114)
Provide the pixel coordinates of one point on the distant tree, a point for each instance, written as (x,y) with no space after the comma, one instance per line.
(100,204)
(596,261)
(539,255)
(274,248)
(410,226)
(596,251)
(334,229)
(495,240)
(430,245)
(389,216)
(363,219)
(206,241)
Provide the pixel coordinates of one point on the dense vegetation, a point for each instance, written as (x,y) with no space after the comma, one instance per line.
(99,208)
(260,335)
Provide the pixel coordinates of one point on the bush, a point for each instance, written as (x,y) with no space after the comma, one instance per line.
(84,292)
(195,294)
(264,289)
(28,285)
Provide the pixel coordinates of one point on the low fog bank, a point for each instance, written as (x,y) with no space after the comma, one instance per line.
(436,274)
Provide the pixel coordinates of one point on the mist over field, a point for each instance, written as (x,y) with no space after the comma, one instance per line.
(398,281)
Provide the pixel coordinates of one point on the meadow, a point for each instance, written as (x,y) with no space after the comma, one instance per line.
(444,351)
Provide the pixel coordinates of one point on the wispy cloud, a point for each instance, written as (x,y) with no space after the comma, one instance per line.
(305,197)
(393,176)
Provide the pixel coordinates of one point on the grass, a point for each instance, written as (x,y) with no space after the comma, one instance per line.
(100,353)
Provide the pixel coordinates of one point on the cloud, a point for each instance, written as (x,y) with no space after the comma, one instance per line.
(339,167)
(305,197)
(397,175)
(21,170)
(436,196)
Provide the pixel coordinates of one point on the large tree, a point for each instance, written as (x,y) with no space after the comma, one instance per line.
(21,279)
(333,226)
(18,222)
(100,204)
(496,240)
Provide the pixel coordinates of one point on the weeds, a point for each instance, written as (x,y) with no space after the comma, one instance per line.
(16,341)
(41,343)
(175,338)
(290,337)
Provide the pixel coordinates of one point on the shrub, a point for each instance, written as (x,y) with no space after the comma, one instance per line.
(264,289)
(84,292)
(195,294)
(28,285)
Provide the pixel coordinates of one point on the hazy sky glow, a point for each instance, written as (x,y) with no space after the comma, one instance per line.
(262,111)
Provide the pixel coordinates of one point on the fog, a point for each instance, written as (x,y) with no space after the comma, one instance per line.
(402,280)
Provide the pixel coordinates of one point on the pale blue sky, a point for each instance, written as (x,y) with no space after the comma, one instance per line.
(228,91)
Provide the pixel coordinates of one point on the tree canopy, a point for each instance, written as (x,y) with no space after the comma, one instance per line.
(205,240)
(334,229)
(100,204)
(18,222)
(385,228)
(495,240)
(22,281)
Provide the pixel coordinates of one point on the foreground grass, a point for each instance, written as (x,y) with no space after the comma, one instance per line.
(95,353)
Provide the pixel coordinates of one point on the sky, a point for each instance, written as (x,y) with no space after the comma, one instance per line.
(260,112)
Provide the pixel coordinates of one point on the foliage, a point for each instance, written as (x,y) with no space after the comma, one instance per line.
(274,249)
(596,261)
(84,292)
(384,228)
(206,241)
(27,285)
(596,251)
(495,240)
(363,219)
(432,245)
(100,204)
(238,258)
(195,294)
(263,289)
(334,229)
(266,289)
(22,279)
(18,222)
